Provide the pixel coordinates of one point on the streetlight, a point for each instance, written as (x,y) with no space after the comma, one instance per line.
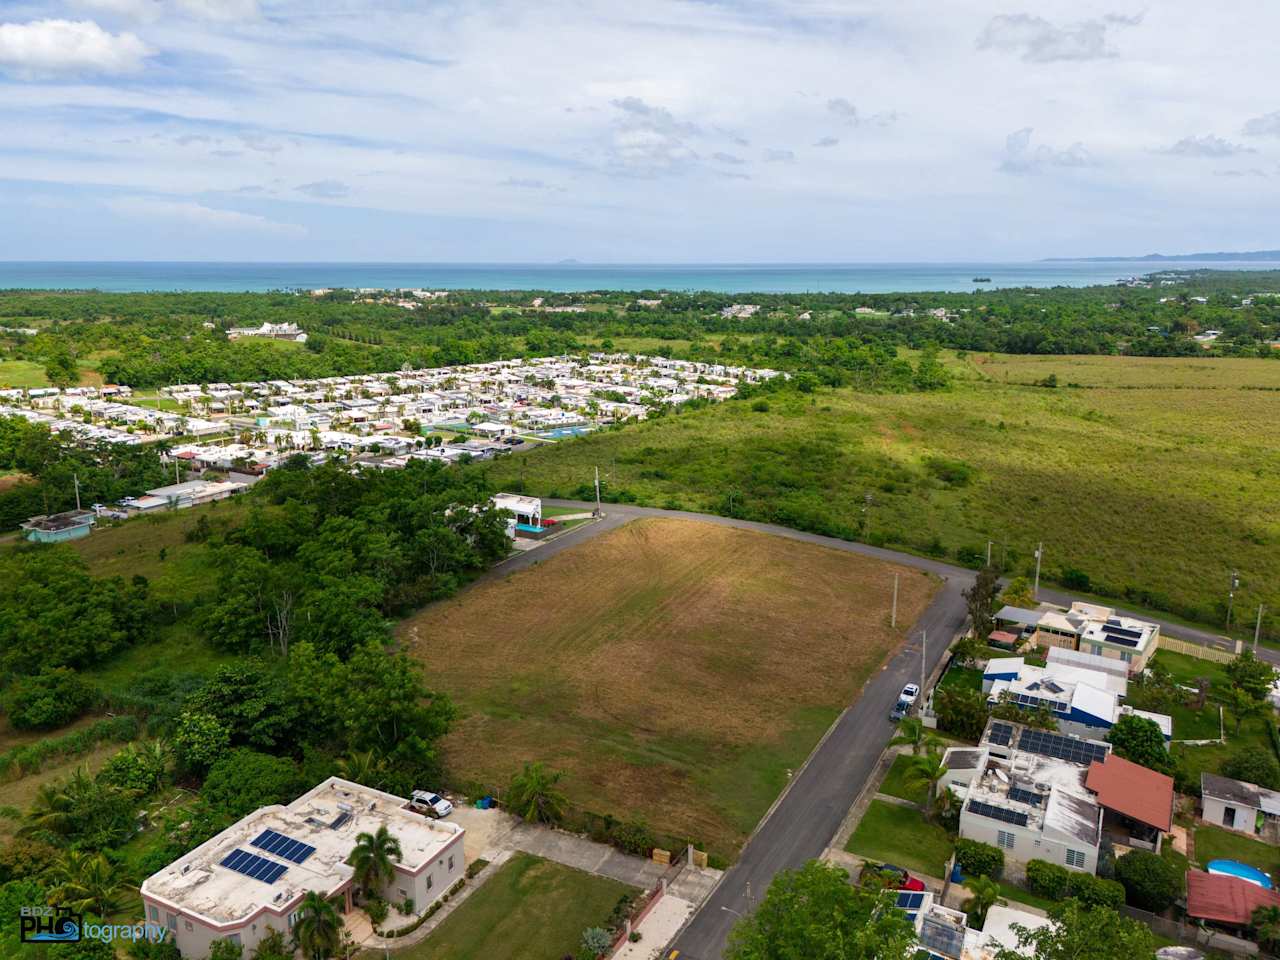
(1231,594)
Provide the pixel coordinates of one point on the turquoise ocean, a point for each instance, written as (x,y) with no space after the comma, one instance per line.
(576,277)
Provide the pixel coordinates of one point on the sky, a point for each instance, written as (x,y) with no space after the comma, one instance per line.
(646,131)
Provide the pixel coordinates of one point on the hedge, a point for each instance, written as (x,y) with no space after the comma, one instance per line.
(979,859)
(1048,879)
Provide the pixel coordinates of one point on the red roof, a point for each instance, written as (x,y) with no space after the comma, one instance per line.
(1133,790)
(1212,896)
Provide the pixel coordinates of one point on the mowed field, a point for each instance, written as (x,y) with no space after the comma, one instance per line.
(1152,477)
(676,671)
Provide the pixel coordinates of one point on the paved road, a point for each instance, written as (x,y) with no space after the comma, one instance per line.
(805,820)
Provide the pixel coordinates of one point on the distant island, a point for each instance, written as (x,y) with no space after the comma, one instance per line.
(1237,257)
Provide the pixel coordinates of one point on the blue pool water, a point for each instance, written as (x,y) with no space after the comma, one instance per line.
(1234,868)
(561,433)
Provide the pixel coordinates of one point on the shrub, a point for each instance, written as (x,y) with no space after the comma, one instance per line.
(245,780)
(48,700)
(596,940)
(377,910)
(979,859)
(1150,881)
(1074,579)
(224,949)
(475,866)
(634,837)
(954,473)
(1093,892)
(1048,879)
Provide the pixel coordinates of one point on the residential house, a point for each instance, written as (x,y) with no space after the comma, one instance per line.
(1239,806)
(252,877)
(59,527)
(1225,900)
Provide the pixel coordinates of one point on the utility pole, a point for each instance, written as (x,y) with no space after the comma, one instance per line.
(1035,593)
(76,477)
(1257,629)
(1231,594)
(597,491)
(988,553)
(893,617)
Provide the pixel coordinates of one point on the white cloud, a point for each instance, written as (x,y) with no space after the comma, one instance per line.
(779,156)
(324,189)
(150,10)
(850,114)
(51,47)
(1207,146)
(197,214)
(1039,41)
(1021,157)
(1268,125)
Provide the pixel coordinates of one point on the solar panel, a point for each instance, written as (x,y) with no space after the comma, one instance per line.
(254,866)
(1001,734)
(909,900)
(997,813)
(1048,744)
(1025,796)
(942,937)
(287,848)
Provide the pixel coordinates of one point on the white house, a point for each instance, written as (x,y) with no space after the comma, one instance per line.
(252,877)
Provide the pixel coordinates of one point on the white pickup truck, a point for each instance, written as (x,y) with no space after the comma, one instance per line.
(430,804)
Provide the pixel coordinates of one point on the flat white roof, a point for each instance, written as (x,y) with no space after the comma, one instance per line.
(998,928)
(199,886)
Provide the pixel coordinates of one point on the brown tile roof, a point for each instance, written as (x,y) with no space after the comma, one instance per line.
(1225,899)
(1132,790)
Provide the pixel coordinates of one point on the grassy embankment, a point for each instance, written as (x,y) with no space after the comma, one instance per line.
(1153,478)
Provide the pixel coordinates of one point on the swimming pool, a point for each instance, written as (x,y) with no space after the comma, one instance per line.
(1234,868)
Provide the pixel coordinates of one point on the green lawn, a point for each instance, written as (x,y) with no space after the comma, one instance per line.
(1192,724)
(896,783)
(22,373)
(967,678)
(530,908)
(1216,843)
(1185,669)
(901,836)
(1018,895)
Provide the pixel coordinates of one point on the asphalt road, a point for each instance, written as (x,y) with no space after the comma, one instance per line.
(803,823)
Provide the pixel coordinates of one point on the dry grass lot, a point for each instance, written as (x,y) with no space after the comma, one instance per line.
(676,671)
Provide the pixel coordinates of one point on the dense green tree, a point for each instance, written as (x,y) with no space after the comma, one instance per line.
(1150,881)
(1253,764)
(1141,741)
(815,913)
(980,600)
(199,741)
(48,699)
(1251,675)
(244,780)
(1077,932)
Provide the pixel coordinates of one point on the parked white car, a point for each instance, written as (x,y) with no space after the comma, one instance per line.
(909,693)
(430,804)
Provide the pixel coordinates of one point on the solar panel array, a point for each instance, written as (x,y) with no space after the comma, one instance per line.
(1118,634)
(909,900)
(942,937)
(295,851)
(254,866)
(997,813)
(1025,796)
(1001,734)
(1048,744)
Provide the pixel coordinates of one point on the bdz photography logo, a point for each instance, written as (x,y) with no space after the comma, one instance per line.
(50,925)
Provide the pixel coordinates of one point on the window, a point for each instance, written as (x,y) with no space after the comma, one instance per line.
(154,912)
(403,892)
(430,881)
(234,938)
(189,926)
(1097,650)
(1005,839)
(171,921)
(451,862)
(1075,858)
(1126,656)
(293,918)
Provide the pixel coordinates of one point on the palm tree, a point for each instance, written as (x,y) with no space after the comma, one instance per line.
(986,894)
(87,883)
(533,794)
(371,859)
(362,766)
(53,811)
(318,929)
(1266,925)
(927,769)
(910,733)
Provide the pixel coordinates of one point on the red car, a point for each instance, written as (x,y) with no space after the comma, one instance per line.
(905,880)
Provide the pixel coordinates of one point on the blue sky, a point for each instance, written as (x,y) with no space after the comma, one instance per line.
(652,130)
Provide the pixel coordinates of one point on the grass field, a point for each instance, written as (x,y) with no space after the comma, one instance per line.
(530,908)
(676,671)
(900,835)
(898,784)
(1159,476)
(22,373)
